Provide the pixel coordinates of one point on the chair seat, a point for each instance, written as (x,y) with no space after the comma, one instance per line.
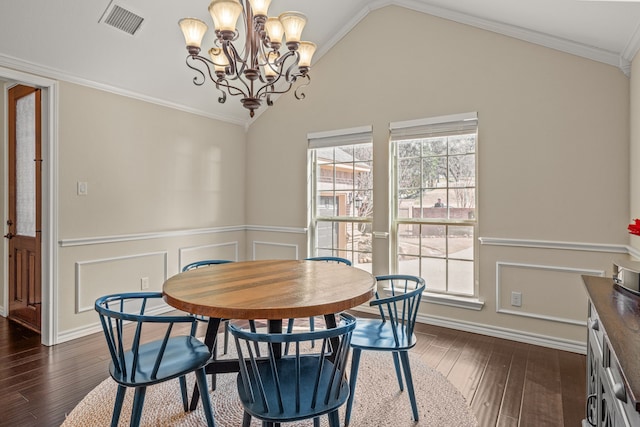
(308,369)
(373,334)
(183,354)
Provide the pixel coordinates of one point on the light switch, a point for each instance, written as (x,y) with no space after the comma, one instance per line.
(83,188)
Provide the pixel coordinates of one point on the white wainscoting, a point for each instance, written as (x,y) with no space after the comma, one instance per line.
(275,250)
(120,274)
(212,251)
(523,313)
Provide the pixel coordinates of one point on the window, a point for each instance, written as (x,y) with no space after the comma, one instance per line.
(434,201)
(341,185)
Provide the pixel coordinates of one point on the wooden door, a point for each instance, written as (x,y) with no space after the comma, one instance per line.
(24,221)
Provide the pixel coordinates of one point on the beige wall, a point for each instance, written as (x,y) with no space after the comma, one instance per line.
(553,148)
(162,184)
(167,187)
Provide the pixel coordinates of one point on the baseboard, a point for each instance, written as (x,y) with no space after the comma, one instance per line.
(498,332)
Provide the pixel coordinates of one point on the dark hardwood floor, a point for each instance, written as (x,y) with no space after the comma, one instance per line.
(506,383)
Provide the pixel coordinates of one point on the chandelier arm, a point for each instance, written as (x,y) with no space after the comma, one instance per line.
(298,93)
(222,98)
(196,79)
(290,75)
(233,90)
(235,73)
(279,62)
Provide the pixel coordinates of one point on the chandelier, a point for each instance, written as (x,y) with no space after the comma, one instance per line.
(255,70)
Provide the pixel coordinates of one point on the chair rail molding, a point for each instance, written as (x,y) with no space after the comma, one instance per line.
(85,241)
(551,244)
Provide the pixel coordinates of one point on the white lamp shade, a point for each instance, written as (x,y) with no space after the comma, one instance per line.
(260,7)
(306,51)
(193,30)
(220,60)
(271,69)
(293,23)
(225,14)
(274,30)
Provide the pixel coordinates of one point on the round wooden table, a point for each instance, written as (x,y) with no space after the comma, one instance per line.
(274,289)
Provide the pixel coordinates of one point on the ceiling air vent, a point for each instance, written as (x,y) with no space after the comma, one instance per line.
(122,19)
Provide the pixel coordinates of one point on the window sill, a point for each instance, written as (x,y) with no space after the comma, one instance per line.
(469,303)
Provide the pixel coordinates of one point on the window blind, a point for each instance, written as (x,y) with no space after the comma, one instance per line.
(335,138)
(454,124)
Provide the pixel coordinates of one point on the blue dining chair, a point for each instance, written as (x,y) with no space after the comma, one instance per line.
(333,259)
(392,331)
(206,263)
(305,384)
(136,363)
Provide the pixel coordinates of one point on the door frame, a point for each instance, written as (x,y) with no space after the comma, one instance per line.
(49,266)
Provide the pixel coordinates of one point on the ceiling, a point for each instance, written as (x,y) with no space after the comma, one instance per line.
(64,39)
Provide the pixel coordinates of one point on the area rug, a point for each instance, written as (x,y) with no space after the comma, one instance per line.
(378,401)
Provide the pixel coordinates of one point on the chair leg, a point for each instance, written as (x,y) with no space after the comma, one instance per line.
(194,399)
(246,419)
(201,379)
(334,420)
(355,361)
(312,327)
(407,375)
(396,363)
(183,392)
(289,330)
(214,355)
(226,337)
(117,408)
(138,402)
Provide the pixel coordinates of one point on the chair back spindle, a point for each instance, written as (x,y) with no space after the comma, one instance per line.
(137,362)
(392,332)
(305,383)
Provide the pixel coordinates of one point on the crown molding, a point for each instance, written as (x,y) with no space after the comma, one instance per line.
(41,70)
(623,62)
(632,48)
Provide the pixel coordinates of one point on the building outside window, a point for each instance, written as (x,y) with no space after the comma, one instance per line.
(341,185)
(434,218)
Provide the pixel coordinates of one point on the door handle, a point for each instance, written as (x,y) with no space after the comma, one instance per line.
(9,235)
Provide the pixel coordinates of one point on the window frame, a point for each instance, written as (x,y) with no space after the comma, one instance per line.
(422,129)
(333,139)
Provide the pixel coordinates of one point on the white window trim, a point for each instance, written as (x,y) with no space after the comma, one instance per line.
(325,139)
(403,130)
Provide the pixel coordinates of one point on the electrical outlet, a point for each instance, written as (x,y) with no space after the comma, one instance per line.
(516,299)
(144,283)
(83,188)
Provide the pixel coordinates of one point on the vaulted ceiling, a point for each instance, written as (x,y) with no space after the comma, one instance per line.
(66,39)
